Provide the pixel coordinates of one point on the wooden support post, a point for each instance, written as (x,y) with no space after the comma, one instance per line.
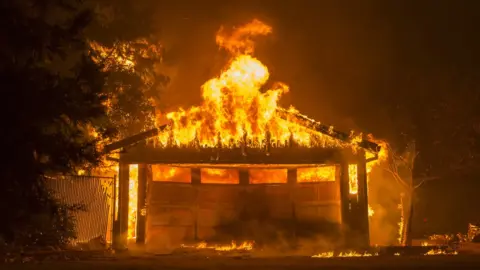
(123,194)
(363,200)
(196,180)
(344,193)
(342,178)
(292,182)
(148,199)
(244,177)
(115,230)
(141,202)
(292,176)
(196,177)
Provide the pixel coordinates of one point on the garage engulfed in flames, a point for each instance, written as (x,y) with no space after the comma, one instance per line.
(209,172)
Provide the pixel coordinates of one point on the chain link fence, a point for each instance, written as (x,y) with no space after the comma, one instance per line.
(97,195)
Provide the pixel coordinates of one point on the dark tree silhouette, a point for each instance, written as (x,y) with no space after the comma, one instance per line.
(52,94)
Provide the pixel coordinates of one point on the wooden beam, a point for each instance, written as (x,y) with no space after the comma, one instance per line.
(123,197)
(150,155)
(327,130)
(134,139)
(363,218)
(342,178)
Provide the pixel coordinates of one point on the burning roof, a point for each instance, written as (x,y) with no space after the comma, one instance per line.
(240,107)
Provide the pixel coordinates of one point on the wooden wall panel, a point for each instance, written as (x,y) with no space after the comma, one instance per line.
(192,212)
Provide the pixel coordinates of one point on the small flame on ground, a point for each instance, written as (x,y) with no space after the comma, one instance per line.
(324,255)
(348,254)
(434,251)
(246,245)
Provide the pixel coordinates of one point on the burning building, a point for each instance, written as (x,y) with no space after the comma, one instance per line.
(238,159)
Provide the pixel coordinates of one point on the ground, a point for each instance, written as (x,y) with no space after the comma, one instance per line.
(244,263)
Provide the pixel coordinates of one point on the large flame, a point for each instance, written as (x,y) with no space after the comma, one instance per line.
(239,106)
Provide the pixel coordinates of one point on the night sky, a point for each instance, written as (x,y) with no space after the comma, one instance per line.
(401,70)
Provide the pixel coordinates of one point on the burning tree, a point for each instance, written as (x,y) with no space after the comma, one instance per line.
(401,167)
(130,55)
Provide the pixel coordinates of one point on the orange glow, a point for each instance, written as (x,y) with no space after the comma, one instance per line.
(272,176)
(162,173)
(316,174)
(353,178)
(219,176)
(132,201)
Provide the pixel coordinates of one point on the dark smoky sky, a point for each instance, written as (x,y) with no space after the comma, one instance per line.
(348,63)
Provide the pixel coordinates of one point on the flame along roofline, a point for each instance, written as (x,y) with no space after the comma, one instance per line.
(283,113)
